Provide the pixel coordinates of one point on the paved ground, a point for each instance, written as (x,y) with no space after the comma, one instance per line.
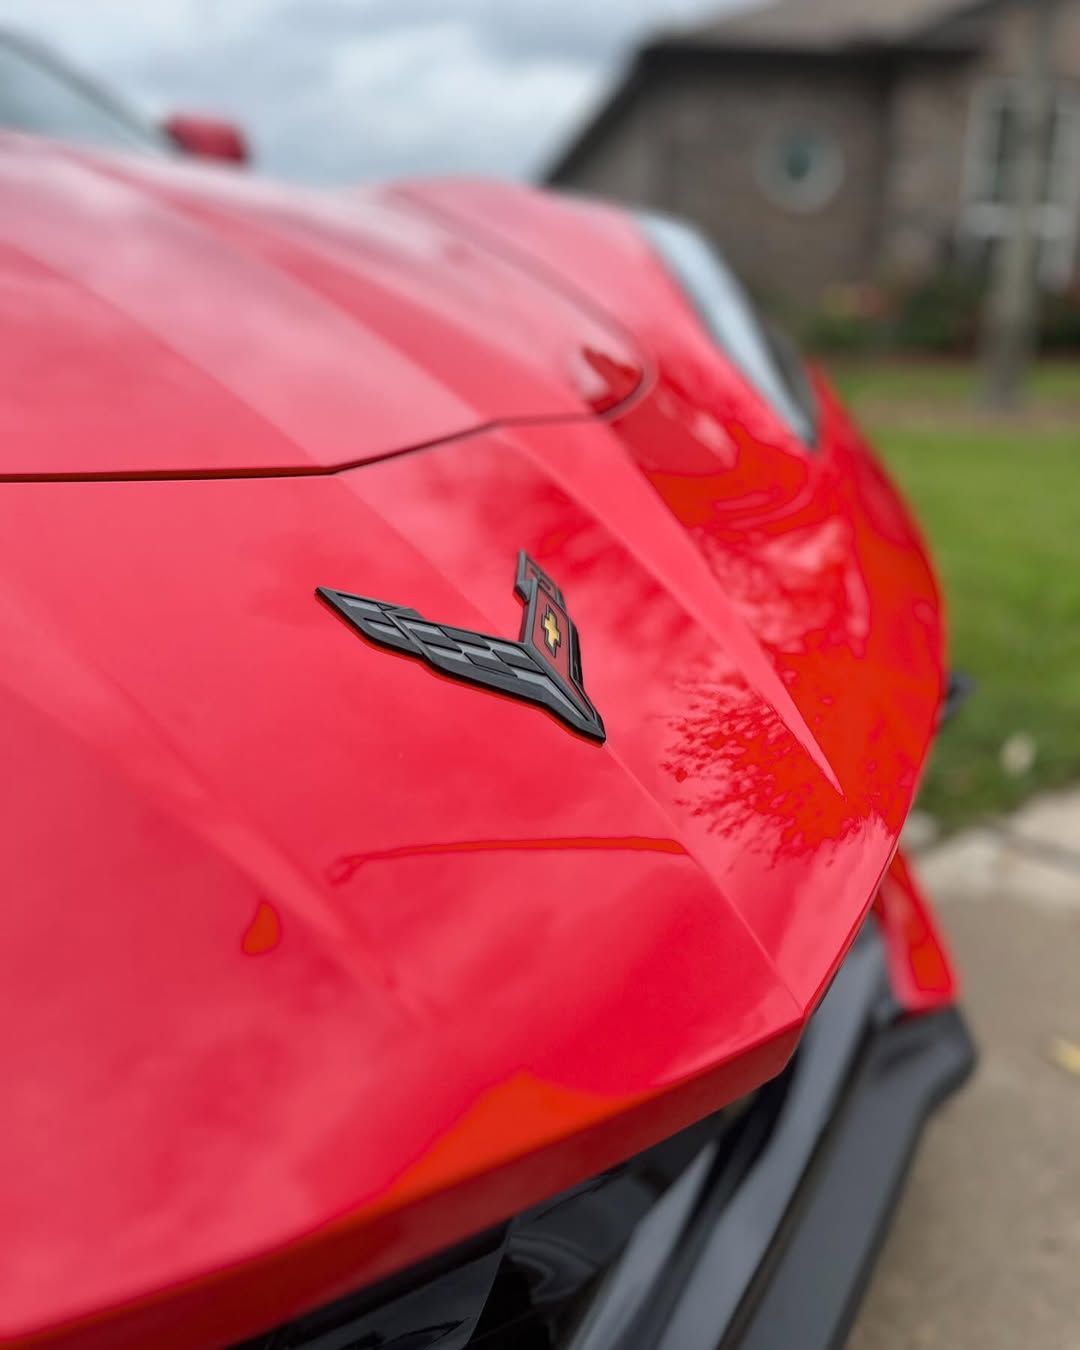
(985,1251)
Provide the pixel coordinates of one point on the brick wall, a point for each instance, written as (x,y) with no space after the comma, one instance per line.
(694,143)
(693,137)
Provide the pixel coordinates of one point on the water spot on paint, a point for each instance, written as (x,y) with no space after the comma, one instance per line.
(263,932)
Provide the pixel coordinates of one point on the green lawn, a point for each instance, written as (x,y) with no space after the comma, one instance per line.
(1000,501)
(1054,384)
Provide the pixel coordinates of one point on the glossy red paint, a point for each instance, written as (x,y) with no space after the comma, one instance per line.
(317,960)
(297,331)
(920,969)
(264,931)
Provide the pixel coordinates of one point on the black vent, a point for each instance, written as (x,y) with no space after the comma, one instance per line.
(529,1285)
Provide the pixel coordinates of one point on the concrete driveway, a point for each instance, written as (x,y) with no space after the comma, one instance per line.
(985,1251)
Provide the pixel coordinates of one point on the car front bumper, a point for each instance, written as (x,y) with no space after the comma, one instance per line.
(756,1228)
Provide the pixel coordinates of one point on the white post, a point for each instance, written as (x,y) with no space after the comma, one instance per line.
(1010,317)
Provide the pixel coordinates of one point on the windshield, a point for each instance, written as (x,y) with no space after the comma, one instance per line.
(37,94)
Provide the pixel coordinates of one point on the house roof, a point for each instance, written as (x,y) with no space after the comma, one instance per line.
(827,24)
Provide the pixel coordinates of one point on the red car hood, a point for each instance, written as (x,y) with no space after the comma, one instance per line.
(316,960)
(169,321)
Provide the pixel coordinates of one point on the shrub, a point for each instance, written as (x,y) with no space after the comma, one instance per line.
(850,318)
(1059,329)
(941,315)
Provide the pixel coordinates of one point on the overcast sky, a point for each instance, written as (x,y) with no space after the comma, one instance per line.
(337,90)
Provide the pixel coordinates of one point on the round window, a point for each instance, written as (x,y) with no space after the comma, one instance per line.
(801,170)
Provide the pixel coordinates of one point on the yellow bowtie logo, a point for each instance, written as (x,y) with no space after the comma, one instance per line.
(552,636)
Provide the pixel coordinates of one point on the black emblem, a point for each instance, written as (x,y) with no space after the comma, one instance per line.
(543,666)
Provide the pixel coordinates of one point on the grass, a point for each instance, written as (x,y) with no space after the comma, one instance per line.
(1000,502)
(954,384)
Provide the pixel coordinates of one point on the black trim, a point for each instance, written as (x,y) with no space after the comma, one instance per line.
(437,1303)
(823,1264)
(958,690)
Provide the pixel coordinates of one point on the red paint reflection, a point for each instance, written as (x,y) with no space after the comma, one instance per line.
(350,864)
(264,931)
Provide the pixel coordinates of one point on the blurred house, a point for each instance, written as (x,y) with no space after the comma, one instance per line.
(821,142)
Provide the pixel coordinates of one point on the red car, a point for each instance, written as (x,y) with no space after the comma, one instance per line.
(463,682)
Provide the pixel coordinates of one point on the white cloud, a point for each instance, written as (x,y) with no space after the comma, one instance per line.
(434,97)
(338,90)
(103,32)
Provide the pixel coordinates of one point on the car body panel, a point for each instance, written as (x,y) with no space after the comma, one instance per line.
(301,947)
(239,327)
(321,960)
